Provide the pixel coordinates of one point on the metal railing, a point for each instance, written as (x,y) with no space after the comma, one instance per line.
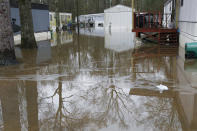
(153,20)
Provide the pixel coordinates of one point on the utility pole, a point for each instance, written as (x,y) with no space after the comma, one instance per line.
(177,12)
(133,6)
(78,17)
(57,15)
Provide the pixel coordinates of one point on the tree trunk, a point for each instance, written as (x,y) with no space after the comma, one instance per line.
(27,30)
(77,17)
(57,15)
(32,105)
(7,53)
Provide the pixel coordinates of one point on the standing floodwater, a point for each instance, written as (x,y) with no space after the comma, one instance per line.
(98,82)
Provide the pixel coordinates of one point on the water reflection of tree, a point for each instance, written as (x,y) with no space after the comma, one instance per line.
(32,105)
(21,96)
(60,117)
(159,113)
(10,106)
(14,109)
(80,109)
(113,103)
(76,111)
(158,110)
(150,70)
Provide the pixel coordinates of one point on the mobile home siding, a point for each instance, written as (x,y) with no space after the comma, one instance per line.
(40,19)
(188,22)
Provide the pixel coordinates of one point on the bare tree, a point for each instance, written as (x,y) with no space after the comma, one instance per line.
(7,53)
(27,30)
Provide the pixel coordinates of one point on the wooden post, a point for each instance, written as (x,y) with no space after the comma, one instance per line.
(138,20)
(77,17)
(148,20)
(177,12)
(143,21)
(133,6)
(166,20)
(160,22)
(134,20)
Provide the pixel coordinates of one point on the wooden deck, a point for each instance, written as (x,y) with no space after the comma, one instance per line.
(155,51)
(158,30)
(156,27)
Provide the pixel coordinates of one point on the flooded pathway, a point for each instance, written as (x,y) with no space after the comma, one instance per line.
(98,82)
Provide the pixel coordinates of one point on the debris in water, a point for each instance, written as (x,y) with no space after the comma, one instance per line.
(162,88)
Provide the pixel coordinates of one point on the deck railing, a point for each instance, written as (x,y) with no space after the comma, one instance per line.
(153,20)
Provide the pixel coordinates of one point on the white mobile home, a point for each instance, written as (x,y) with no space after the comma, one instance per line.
(65,20)
(64,38)
(118,18)
(96,19)
(187,22)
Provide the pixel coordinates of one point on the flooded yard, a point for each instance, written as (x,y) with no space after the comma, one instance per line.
(98,81)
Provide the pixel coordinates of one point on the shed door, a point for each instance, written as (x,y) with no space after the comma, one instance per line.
(116,21)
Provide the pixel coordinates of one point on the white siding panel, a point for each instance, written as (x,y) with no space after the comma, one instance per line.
(40,20)
(15,15)
(120,18)
(188,22)
(188,12)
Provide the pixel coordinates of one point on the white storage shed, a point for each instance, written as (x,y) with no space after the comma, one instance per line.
(118,18)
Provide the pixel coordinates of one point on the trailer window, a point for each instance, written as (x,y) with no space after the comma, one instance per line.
(182,2)
(51,18)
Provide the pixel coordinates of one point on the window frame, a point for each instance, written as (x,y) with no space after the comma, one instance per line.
(182,2)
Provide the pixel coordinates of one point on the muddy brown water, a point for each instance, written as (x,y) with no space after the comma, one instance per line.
(97,82)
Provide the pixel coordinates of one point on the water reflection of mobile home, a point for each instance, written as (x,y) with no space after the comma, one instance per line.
(61,38)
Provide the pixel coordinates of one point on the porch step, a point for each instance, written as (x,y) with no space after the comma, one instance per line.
(171,38)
